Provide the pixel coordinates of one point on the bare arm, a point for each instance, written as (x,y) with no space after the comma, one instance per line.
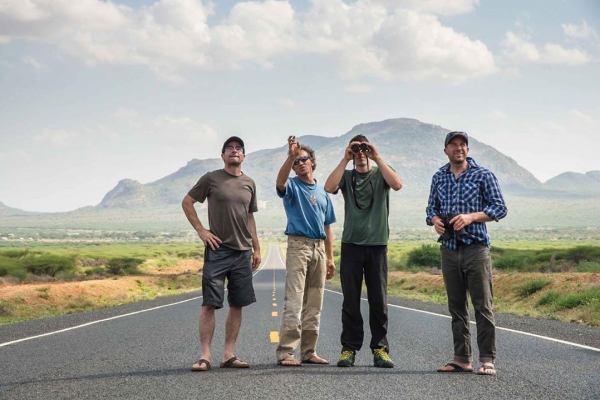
(205,235)
(332,182)
(286,168)
(388,174)
(329,252)
(256,258)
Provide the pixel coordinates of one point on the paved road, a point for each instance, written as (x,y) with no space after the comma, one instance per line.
(144,351)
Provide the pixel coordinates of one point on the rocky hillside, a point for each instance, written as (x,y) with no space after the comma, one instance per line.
(414,149)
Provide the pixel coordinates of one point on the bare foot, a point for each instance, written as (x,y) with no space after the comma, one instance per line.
(289,362)
(202,365)
(487,369)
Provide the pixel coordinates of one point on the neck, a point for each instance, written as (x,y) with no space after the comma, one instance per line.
(308,178)
(363,168)
(457,168)
(235,170)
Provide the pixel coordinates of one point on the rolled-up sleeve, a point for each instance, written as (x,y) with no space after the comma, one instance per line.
(494,204)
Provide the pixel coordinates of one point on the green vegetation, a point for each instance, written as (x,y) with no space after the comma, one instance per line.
(77,261)
(532,287)
(573,259)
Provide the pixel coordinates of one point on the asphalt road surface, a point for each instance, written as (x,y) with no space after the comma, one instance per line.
(145,351)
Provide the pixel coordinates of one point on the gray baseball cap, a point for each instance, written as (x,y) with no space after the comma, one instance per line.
(453,134)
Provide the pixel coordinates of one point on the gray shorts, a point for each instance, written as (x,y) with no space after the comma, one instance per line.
(236,266)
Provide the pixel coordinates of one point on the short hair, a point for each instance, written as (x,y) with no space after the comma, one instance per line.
(359,138)
(311,155)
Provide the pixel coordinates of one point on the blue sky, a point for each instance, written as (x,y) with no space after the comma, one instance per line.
(94,92)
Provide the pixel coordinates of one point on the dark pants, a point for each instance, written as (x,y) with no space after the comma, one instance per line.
(370,261)
(469,271)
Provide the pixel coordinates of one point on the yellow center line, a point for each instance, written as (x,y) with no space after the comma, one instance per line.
(274,314)
(274,337)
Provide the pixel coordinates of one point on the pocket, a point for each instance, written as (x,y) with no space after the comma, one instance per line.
(295,244)
(442,192)
(469,192)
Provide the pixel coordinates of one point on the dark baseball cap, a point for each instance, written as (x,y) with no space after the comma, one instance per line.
(233,139)
(452,135)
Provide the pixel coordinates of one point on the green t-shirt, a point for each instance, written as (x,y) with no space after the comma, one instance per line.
(366,224)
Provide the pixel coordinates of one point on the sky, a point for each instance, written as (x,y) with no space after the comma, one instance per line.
(92,92)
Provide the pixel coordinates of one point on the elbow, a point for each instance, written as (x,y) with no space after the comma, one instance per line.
(329,188)
(397,185)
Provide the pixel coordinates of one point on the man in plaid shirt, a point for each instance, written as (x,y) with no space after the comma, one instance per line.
(463,197)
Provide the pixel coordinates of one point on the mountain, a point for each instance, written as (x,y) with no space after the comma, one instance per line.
(6,211)
(576,183)
(413,148)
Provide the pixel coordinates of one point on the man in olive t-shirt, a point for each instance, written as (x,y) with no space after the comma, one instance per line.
(364,247)
(228,249)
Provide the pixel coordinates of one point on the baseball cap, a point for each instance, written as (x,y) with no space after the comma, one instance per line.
(233,139)
(453,134)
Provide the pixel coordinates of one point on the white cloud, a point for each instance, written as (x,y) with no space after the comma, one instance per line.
(288,103)
(363,38)
(518,49)
(498,115)
(58,137)
(583,31)
(358,88)
(32,61)
(579,116)
(441,7)
(556,54)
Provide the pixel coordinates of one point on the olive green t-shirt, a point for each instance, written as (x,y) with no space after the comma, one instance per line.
(230,199)
(367,222)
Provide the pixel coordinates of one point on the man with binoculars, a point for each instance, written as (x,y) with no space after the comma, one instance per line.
(463,197)
(366,191)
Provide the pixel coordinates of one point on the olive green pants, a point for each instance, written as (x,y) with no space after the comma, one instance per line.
(468,271)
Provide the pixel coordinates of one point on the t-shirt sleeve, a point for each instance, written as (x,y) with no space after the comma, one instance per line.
(201,189)
(289,189)
(253,206)
(329,212)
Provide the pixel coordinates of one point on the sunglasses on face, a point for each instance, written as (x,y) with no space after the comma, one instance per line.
(302,159)
(236,148)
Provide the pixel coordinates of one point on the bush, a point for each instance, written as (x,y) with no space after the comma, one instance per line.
(588,266)
(510,261)
(532,287)
(48,264)
(124,265)
(426,255)
(95,271)
(583,253)
(579,299)
(549,297)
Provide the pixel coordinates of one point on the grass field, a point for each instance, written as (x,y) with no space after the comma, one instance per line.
(104,274)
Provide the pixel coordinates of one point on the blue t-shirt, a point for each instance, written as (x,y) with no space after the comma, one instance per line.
(308,209)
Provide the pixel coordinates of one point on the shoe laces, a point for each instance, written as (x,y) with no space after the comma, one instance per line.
(381,353)
(347,355)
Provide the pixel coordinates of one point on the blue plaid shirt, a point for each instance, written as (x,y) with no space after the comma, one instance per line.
(476,189)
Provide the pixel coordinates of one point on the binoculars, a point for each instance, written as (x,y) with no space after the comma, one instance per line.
(449,229)
(362,146)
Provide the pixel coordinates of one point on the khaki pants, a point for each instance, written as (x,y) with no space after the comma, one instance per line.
(305,266)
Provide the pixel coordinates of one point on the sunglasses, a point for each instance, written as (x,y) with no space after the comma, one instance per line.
(302,159)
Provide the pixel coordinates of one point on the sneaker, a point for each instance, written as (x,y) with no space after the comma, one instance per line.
(347,358)
(381,358)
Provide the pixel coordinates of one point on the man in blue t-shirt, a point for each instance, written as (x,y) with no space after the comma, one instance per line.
(309,257)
